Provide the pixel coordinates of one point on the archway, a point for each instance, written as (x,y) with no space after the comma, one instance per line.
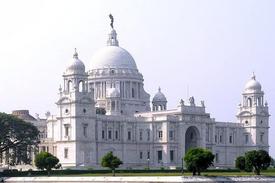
(192,136)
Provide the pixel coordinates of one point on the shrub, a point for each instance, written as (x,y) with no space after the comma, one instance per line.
(111,161)
(198,159)
(46,161)
(240,162)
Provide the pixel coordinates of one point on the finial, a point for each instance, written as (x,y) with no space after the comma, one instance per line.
(75,54)
(159,89)
(253,76)
(112,20)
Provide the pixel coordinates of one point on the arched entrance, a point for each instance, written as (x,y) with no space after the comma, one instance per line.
(192,137)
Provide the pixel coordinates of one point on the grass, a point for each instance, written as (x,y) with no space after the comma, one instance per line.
(210,173)
(214,174)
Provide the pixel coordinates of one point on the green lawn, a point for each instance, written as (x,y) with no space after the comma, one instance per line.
(270,172)
(176,174)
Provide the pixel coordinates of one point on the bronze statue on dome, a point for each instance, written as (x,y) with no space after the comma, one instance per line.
(112,20)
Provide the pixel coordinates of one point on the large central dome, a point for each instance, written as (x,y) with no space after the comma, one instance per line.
(113,57)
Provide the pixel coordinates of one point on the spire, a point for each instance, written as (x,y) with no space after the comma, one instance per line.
(112,36)
(75,54)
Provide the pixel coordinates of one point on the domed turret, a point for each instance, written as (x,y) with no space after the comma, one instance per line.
(252,85)
(76,66)
(159,97)
(159,101)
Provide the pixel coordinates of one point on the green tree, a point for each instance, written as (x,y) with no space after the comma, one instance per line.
(46,161)
(258,160)
(240,162)
(198,159)
(111,161)
(17,137)
(272,163)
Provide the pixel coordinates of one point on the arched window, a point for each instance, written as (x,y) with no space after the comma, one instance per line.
(70,85)
(81,86)
(133,93)
(249,102)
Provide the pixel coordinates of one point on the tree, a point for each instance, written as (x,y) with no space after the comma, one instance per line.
(240,162)
(272,163)
(17,137)
(111,161)
(198,159)
(258,160)
(46,161)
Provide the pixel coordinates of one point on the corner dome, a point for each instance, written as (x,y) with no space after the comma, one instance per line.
(76,66)
(253,85)
(112,57)
(159,97)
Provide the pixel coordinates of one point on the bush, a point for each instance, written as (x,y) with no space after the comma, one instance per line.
(258,160)
(240,162)
(111,161)
(46,161)
(198,159)
(254,160)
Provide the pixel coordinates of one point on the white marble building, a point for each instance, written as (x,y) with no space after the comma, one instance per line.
(138,134)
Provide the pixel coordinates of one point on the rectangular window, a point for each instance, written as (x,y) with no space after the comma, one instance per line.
(148,155)
(140,135)
(160,134)
(262,137)
(140,155)
(66,130)
(148,135)
(159,156)
(85,131)
(116,134)
(171,156)
(103,134)
(129,135)
(230,139)
(109,134)
(246,139)
(217,157)
(66,153)
(220,138)
(216,138)
(171,135)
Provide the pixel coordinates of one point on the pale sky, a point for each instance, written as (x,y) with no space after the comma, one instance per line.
(209,46)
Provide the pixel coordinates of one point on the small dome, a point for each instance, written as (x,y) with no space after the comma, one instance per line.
(159,97)
(76,66)
(113,93)
(253,85)
(113,57)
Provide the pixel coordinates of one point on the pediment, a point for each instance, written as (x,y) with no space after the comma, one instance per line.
(64,100)
(245,113)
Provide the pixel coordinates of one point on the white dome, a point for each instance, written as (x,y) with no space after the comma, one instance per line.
(159,97)
(252,85)
(113,57)
(113,93)
(76,66)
